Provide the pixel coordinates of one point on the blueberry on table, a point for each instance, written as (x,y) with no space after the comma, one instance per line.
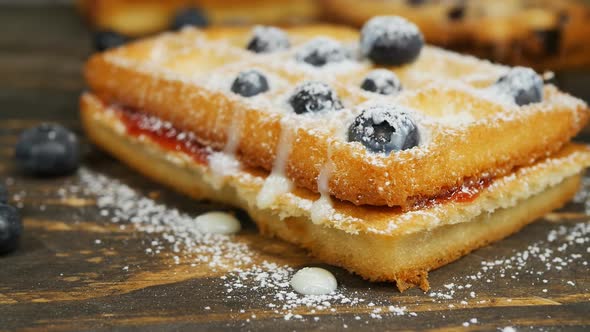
(321,51)
(384,128)
(104,40)
(10,228)
(249,83)
(189,17)
(268,39)
(3,194)
(382,81)
(391,40)
(48,150)
(314,96)
(522,84)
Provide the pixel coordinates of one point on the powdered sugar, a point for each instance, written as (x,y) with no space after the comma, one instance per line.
(563,248)
(522,84)
(321,51)
(179,233)
(434,70)
(314,96)
(385,128)
(382,81)
(536,263)
(583,196)
(266,39)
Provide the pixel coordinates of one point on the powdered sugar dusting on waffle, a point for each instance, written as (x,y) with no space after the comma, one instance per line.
(386,79)
(485,73)
(434,71)
(271,39)
(327,72)
(328,49)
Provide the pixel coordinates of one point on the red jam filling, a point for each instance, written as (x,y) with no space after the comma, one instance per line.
(163,133)
(465,193)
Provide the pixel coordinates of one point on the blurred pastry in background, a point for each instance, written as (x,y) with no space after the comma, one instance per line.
(117,21)
(543,34)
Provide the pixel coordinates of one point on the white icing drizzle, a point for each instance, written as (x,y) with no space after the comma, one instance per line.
(222,164)
(322,209)
(234,133)
(277,183)
(314,281)
(218,223)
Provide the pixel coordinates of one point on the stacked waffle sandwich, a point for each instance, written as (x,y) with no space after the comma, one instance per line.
(541,33)
(141,17)
(376,153)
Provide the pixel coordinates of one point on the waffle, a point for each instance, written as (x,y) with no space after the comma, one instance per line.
(141,17)
(543,34)
(469,131)
(378,243)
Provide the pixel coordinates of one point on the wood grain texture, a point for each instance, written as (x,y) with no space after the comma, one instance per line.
(62,279)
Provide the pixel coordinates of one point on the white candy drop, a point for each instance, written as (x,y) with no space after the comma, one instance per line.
(218,223)
(314,281)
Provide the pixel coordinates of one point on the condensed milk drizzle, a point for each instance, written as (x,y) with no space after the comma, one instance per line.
(225,163)
(322,208)
(277,182)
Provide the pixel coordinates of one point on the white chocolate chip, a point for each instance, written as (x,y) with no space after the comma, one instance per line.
(314,281)
(218,223)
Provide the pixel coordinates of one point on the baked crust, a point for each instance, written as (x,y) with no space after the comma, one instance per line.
(380,244)
(542,34)
(141,17)
(184,78)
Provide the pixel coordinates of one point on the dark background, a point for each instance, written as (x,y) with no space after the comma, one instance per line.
(60,280)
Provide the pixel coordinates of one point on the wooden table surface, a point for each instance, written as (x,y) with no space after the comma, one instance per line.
(76,270)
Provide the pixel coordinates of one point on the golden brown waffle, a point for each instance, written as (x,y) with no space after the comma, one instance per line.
(378,243)
(468,131)
(544,34)
(141,17)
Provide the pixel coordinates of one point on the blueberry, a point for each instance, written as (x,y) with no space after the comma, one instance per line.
(103,40)
(268,39)
(10,228)
(48,149)
(189,17)
(382,81)
(522,84)
(3,194)
(456,13)
(321,51)
(249,83)
(314,97)
(384,128)
(391,40)
(415,2)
